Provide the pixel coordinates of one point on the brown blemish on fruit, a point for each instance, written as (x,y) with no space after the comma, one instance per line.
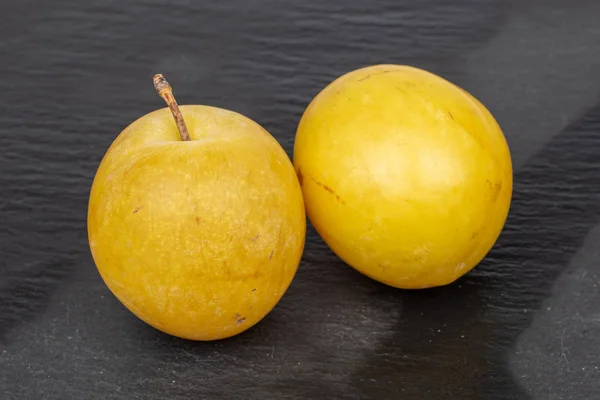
(240,276)
(255,238)
(329,190)
(300,176)
(271,255)
(376,73)
(254,290)
(474,235)
(451,116)
(497,189)
(198,220)
(494,189)
(138,208)
(239,319)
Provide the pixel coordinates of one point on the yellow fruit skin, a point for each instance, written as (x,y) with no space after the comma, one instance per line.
(405,176)
(199,239)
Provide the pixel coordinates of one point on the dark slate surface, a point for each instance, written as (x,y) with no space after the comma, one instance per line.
(523,325)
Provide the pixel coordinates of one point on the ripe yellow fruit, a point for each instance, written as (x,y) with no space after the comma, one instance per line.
(406,177)
(198,238)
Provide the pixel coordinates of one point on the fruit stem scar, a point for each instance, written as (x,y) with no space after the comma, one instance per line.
(166,92)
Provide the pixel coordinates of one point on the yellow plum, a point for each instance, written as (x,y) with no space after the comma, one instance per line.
(406,176)
(196,220)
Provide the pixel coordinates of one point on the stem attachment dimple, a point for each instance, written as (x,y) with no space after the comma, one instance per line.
(164,90)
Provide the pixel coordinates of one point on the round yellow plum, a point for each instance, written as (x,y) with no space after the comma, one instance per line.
(405,176)
(201,237)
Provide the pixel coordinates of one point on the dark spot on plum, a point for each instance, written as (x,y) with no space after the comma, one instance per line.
(300,177)
(376,73)
(330,191)
(239,319)
(496,190)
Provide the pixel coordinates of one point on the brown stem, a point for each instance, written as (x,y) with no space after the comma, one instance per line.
(164,90)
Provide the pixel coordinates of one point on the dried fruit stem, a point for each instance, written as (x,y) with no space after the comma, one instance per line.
(164,90)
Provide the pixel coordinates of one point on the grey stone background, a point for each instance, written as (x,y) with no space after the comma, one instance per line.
(523,325)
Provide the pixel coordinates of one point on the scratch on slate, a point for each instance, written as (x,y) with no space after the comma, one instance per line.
(562,347)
